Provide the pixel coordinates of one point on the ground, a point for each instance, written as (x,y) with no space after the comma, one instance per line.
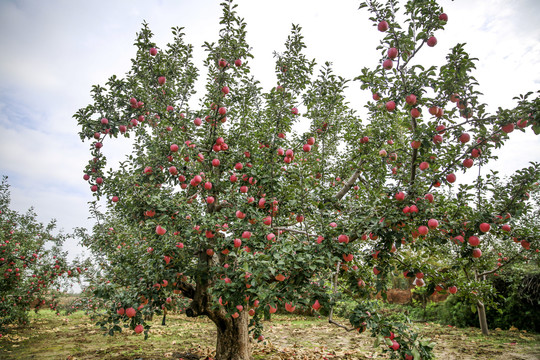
(287,337)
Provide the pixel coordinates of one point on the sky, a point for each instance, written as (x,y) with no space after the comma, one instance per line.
(53,51)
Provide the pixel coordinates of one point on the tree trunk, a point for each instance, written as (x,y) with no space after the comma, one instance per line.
(482,318)
(233,338)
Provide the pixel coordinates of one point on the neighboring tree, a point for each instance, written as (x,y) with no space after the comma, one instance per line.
(508,243)
(32,262)
(505,239)
(228,204)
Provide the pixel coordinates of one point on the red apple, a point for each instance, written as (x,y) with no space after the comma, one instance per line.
(160,230)
(415,113)
(390,106)
(423,230)
(392,53)
(508,128)
(388,64)
(432,223)
(424,165)
(474,240)
(162,80)
(432,41)
(452,289)
(468,163)
(348,257)
(415,144)
(485,227)
(139,329)
(441,129)
(382,26)
(451,178)
(522,123)
(476,253)
(443,17)
(410,99)
(153,51)
(130,312)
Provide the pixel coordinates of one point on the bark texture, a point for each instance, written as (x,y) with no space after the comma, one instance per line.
(482,318)
(233,338)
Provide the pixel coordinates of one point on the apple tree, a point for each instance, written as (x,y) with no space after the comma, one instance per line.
(32,262)
(255,199)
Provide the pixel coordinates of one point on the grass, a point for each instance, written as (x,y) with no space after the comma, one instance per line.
(288,337)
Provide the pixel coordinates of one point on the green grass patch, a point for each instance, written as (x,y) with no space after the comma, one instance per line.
(287,337)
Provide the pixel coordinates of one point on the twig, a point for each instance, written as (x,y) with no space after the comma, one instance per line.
(347,186)
(295,231)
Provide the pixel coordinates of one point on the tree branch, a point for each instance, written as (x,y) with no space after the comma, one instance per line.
(295,231)
(489,272)
(347,186)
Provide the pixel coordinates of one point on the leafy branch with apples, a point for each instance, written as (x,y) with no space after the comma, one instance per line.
(256,200)
(33,266)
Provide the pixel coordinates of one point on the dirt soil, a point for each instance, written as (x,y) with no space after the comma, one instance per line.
(287,338)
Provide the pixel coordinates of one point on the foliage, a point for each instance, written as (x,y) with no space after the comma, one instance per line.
(32,263)
(230,204)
